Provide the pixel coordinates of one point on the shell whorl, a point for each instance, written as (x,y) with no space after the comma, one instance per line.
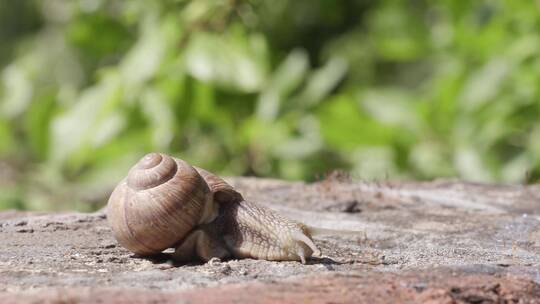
(152,170)
(159,203)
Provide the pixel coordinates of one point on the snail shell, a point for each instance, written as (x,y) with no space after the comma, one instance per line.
(164,202)
(160,201)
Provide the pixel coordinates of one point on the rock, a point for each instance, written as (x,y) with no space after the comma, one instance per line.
(421,242)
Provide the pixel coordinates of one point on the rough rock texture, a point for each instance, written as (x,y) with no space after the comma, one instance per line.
(440,242)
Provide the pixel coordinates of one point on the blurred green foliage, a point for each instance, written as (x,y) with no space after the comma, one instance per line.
(288,89)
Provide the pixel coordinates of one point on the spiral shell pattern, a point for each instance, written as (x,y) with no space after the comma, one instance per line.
(152,170)
(158,204)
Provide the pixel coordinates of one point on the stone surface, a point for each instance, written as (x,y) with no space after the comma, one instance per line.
(441,241)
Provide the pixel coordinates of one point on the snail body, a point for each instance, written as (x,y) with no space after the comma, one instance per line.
(164,202)
(252,231)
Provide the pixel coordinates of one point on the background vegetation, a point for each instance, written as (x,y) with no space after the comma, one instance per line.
(291,89)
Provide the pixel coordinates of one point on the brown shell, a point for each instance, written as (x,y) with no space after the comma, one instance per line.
(221,190)
(160,201)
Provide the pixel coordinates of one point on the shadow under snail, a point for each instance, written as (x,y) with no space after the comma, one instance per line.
(166,203)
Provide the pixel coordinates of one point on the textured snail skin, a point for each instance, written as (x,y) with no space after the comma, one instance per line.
(248,230)
(252,231)
(164,202)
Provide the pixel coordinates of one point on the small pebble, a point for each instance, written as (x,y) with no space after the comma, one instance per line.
(214,262)
(25,230)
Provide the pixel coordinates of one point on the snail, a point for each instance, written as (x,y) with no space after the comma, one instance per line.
(166,203)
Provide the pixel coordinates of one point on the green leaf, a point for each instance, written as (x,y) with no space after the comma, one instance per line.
(235,61)
(37,123)
(287,77)
(344,126)
(322,81)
